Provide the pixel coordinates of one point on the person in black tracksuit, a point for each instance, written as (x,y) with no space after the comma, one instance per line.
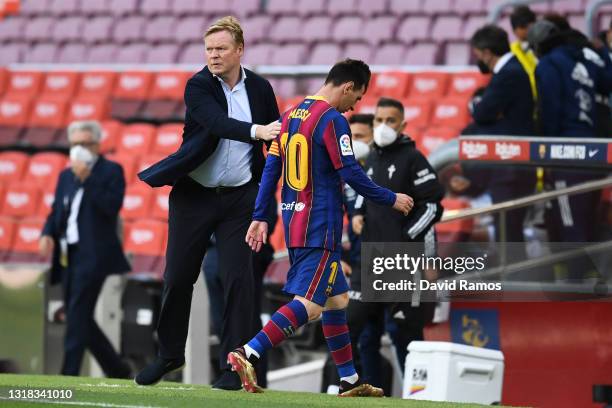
(396,163)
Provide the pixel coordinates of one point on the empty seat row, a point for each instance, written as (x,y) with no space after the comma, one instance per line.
(95,84)
(144,242)
(274,7)
(30,198)
(131,144)
(264,27)
(147,7)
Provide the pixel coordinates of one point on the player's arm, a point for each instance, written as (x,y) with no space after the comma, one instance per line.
(337,141)
(205,109)
(257,235)
(427,193)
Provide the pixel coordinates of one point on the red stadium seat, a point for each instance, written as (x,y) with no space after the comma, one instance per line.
(136,202)
(159,207)
(14,114)
(169,85)
(47,118)
(48,112)
(88,108)
(4,75)
(417,112)
(46,201)
(14,110)
(44,168)
(414,133)
(465,83)
(291,102)
(434,137)
(367,104)
(455,231)
(148,160)
(26,84)
(21,200)
(451,112)
(8,226)
(127,162)
(166,95)
(27,235)
(12,166)
(131,90)
(62,85)
(168,138)
(136,139)
(144,240)
(97,84)
(390,84)
(110,134)
(429,84)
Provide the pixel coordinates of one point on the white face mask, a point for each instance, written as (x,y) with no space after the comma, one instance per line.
(384,135)
(79,153)
(360,149)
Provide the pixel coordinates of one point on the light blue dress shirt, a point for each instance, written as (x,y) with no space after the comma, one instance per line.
(230,163)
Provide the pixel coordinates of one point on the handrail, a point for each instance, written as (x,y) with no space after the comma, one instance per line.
(589,15)
(453,215)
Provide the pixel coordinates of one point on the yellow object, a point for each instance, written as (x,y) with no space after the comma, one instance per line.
(529,61)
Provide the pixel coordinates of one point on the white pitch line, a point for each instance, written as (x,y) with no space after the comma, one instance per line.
(80,403)
(138,386)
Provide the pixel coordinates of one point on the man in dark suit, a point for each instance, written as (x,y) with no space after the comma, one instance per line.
(215,175)
(505,108)
(81,232)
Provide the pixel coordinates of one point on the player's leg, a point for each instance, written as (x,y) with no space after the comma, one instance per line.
(302,282)
(336,331)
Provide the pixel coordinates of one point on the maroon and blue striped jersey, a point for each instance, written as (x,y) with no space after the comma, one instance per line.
(314,142)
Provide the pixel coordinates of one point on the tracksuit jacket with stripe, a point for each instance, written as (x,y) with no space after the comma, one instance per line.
(400,167)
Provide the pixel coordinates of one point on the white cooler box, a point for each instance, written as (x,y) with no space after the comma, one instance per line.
(442,371)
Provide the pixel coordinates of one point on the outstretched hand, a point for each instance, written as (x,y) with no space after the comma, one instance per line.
(257,235)
(403,203)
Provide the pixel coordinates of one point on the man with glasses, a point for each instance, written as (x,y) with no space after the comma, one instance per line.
(81,233)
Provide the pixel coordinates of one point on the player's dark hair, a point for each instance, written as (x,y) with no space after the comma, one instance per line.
(491,37)
(349,70)
(521,17)
(363,118)
(390,103)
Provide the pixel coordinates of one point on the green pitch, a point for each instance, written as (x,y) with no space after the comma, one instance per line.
(98,392)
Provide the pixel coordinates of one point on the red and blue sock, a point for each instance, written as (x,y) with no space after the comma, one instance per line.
(336,333)
(282,324)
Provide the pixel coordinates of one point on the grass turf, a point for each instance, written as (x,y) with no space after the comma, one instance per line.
(100,392)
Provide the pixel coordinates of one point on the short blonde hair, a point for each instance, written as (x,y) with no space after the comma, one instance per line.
(230,24)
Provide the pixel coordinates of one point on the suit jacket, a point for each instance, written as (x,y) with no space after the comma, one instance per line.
(99,249)
(507,106)
(206,121)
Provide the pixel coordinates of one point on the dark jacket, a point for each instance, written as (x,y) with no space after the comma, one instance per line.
(99,249)
(206,121)
(506,106)
(569,78)
(401,168)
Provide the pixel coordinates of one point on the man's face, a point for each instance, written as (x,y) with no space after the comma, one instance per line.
(362,132)
(390,116)
(85,139)
(222,53)
(350,97)
(521,32)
